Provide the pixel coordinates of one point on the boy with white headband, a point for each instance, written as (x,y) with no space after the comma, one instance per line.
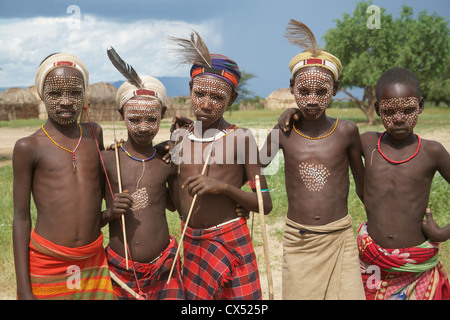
(141,101)
(320,254)
(63,257)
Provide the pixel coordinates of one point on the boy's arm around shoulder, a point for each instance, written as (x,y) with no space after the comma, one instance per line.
(24,156)
(254,167)
(271,147)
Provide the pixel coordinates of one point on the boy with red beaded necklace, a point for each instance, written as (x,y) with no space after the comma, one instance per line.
(320,256)
(60,166)
(399,169)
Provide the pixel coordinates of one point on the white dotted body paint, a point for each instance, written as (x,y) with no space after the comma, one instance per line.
(313,175)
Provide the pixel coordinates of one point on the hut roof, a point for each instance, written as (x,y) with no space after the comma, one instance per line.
(101,93)
(281,94)
(17,96)
(280,99)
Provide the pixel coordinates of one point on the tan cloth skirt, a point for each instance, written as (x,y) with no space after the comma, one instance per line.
(321,262)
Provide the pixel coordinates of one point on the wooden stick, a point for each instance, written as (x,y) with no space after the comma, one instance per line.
(120,190)
(194,199)
(124,286)
(264,236)
(253,219)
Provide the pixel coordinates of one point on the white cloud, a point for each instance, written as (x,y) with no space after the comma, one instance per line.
(143,44)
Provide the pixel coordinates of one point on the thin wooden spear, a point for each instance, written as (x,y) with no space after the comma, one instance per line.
(124,286)
(194,199)
(120,191)
(264,236)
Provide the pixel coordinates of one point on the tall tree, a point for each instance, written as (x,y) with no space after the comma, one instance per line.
(243,91)
(367,48)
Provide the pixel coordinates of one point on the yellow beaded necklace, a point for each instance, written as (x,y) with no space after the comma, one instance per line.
(65,149)
(317,138)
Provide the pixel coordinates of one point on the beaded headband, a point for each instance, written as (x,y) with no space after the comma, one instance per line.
(218,72)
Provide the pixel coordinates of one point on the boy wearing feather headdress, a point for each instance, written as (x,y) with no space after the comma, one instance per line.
(320,253)
(141,101)
(219,260)
(63,257)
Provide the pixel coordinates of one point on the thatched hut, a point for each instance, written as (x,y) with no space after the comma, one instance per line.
(42,111)
(180,106)
(101,99)
(18,103)
(280,99)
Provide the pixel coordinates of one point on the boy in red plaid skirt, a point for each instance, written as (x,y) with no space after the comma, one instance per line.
(219,260)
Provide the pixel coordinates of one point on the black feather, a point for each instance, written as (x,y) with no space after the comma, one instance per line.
(124,68)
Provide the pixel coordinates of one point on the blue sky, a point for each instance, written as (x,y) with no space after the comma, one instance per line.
(249,31)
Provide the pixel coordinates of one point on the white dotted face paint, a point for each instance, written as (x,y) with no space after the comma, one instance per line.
(142,118)
(399,115)
(64,95)
(210,98)
(313,90)
(313,175)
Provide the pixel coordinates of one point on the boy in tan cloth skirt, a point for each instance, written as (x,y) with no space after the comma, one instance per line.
(320,253)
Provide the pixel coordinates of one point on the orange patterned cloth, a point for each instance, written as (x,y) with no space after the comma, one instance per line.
(59,272)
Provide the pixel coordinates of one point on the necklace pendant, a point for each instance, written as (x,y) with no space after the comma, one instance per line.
(74,166)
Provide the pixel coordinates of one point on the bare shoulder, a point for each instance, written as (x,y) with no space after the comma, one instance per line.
(93,126)
(348,127)
(243,133)
(369,137)
(239,129)
(433,148)
(28,143)
(108,155)
(26,150)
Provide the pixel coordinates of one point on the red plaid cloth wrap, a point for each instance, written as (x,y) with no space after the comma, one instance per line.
(413,273)
(152,277)
(219,263)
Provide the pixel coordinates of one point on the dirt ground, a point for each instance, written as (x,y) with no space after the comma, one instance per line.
(8,138)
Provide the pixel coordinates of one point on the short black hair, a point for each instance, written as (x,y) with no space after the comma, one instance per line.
(397,75)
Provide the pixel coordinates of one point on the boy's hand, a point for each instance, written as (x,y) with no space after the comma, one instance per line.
(112,146)
(287,117)
(431,229)
(179,122)
(242,212)
(165,149)
(201,184)
(122,203)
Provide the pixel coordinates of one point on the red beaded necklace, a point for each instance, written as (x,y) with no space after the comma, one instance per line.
(397,162)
